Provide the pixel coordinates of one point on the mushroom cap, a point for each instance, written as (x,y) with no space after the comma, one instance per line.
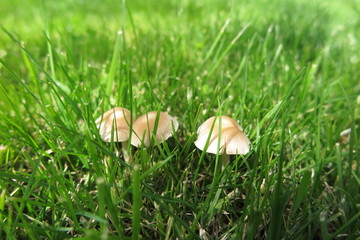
(232,140)
(117,120)
(143,128)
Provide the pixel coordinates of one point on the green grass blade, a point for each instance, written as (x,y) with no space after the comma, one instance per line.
(137,203)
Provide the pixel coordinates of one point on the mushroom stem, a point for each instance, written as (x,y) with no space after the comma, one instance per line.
(224,159)
(123,148)
(125,151)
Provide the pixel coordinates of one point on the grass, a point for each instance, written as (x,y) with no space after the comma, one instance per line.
(287,71)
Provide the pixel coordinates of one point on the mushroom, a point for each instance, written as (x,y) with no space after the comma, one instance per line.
(232,138)
(114,125)
(160,125)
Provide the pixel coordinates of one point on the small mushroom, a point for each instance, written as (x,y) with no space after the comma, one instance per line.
(114,125)
(345,136)
(158,124)
(232,138)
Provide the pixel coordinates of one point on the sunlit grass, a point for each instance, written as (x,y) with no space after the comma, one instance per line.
(286,71)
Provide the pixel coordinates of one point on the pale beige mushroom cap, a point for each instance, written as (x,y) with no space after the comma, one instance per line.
(143,128)
(232,140)
(117,120)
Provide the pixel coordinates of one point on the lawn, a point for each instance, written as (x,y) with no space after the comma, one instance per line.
(287,71)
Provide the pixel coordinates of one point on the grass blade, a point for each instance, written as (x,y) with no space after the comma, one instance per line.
(137,203)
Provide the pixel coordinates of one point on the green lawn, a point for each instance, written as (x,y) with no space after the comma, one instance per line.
(287,71)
